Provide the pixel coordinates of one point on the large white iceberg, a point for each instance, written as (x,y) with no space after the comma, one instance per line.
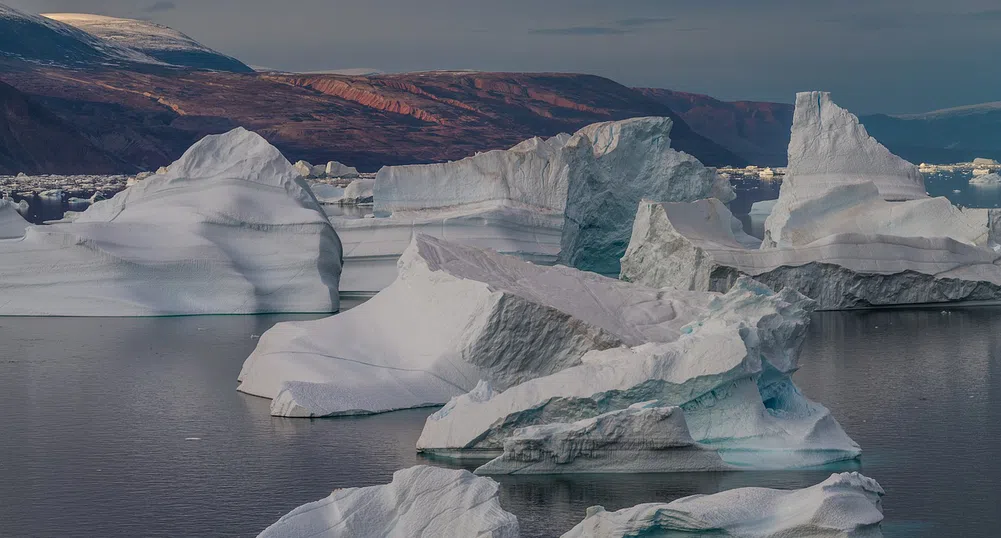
(700,246)
(832,236)
(829,147)
(420,502)
(715,395)
(846,505)
(570,198)
(12,224)
(455,315)
(612,166)
(230,228)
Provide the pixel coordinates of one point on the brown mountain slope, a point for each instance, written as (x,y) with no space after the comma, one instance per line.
(148,119)
(756,131)
(35,141)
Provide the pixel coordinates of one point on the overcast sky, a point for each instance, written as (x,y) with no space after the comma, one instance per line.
(893,56)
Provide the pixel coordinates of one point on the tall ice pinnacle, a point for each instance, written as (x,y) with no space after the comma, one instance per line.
(829,147)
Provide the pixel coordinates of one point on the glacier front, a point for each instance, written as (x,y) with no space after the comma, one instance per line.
(847,505)
(230,228)
(420,502)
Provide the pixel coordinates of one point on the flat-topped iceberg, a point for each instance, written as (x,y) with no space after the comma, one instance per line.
(829,147)
(831,235)
(455,315)
(230,228)
(12,224)
(715,395)
(420,502)
(699,246)
(612,166)
(986,180)
(566,198)
(845,505)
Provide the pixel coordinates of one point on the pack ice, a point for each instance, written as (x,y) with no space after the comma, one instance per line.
(420,502)
(570,198)
(838,241)
(230,228)
(847,505)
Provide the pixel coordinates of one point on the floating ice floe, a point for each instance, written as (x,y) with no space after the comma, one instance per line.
(420,502)
(571,193)
(12,224)
(230,228)
(327,194)
(847,505)
(987,180)
(359,191)
(336,169)
(840,243)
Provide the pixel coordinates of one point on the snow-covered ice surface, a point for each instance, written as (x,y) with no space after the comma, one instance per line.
(831,236)
(455,315)
(610,168)
(147,37)
(420,502)
(12,224)
(726,375)
(830,147)
(230,228)
(846,505)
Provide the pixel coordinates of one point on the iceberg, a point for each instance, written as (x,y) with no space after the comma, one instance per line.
(715,395)
(12,224)
(986,180)
(829,147)
(611,167)
(846,504)
(359,191)
(567,198)
(700,246)
(336,169)
(230,228)
(457,315)
(327,194)
(420,502)
(834,237)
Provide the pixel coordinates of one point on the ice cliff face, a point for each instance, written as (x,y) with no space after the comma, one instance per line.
(229,228)
(829,147)
(12,224)
(610,167)
(420,502)
(457,315)
(846,504)
(832,235)
(716,397)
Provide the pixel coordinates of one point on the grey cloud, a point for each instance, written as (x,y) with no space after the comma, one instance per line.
(579,31)
(643,21)
(161,6)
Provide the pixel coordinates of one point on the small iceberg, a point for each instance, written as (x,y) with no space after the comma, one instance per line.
(986,180)
(420,502)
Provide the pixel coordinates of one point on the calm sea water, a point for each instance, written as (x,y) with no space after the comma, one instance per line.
(133,427)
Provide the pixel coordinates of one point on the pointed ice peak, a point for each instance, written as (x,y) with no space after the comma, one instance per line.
(829,147)
(239,154)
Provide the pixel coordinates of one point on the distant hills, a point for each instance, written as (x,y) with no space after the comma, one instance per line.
(133,95)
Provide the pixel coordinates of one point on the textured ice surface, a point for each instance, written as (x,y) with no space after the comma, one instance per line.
(844,505)
(455,315)
(230,228)
(695,247)
(727,370)
(420,502)
(12,224)
(610,168)
(359,191)
(830,147)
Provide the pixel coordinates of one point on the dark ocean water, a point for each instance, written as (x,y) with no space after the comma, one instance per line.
(133,427)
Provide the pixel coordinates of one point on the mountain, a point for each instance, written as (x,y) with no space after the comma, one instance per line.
(756,131)
(37,39)
(149,117)
(154,40)
(943,136)
(35,141)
